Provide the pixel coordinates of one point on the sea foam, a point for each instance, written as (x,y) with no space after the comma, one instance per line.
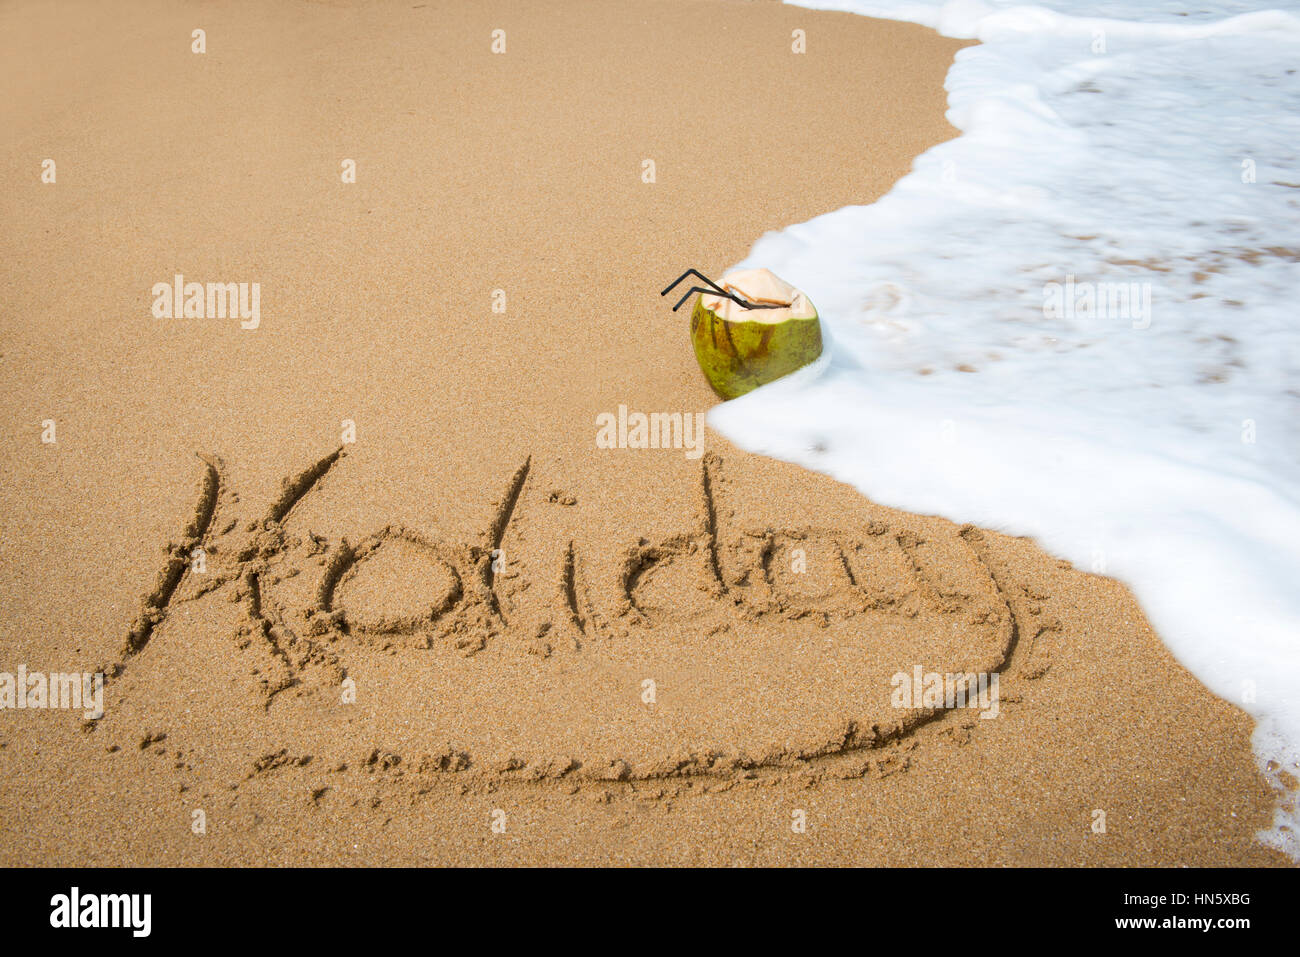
(1105,147)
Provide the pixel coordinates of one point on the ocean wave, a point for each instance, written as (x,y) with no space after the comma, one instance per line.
(1076,321)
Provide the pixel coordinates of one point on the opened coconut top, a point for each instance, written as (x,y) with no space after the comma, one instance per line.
(761,287)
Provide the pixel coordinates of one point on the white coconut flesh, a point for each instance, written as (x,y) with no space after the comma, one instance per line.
(761,287)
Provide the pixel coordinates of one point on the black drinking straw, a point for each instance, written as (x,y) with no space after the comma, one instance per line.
(714,289)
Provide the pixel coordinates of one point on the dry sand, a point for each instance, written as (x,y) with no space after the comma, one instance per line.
(513,695)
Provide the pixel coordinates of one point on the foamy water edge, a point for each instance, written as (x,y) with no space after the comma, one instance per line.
(1103,143)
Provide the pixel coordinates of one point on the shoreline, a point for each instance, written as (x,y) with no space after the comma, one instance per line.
(520,687)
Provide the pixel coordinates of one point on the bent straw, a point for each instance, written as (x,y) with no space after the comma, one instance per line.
(713,289)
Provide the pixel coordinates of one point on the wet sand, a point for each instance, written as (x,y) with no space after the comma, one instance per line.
(460,632)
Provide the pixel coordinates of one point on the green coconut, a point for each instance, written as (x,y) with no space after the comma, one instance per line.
(740,349)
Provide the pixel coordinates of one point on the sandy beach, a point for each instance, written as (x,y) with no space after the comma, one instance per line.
(365,587)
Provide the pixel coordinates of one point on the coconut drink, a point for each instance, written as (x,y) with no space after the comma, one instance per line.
(750,329)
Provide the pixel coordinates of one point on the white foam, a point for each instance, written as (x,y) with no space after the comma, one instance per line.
(1109,142)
